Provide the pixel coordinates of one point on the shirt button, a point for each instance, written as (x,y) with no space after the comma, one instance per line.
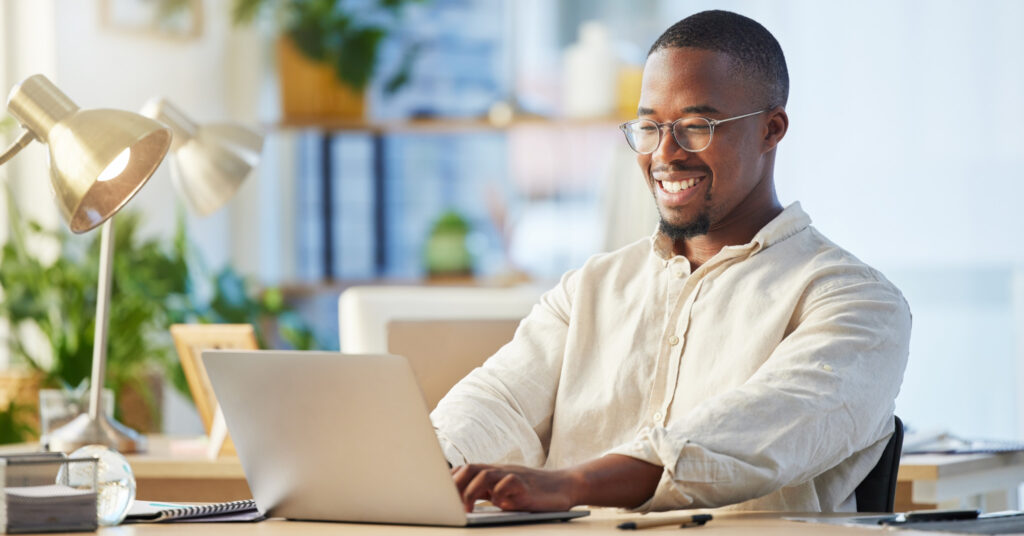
(828,368)
(657,417)
(673,340)
(680,273)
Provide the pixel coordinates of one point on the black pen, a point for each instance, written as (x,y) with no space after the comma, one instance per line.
(694,520)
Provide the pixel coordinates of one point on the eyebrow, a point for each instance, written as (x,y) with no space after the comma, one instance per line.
(699,109)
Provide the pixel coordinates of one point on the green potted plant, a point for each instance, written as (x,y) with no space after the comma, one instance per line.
(15,422)
(58,298)
(328,52)
(153,287)
(446,252)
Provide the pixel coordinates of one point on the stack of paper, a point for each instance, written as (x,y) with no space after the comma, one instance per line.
(49,508)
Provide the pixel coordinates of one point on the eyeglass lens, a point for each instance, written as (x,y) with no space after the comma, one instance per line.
(690,133)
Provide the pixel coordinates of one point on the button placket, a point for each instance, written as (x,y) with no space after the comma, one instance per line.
(676,351)
(675,303)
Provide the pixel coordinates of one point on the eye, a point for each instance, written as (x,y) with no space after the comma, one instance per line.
(694,126)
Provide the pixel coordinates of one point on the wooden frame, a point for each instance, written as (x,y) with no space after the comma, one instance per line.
(190,340)
(170,19)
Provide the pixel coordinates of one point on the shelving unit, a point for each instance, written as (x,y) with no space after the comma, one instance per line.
(329,172)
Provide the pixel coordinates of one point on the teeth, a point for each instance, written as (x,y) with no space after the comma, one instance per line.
(678,186)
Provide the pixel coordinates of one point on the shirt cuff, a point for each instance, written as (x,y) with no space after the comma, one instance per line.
(452,454)
(655,447)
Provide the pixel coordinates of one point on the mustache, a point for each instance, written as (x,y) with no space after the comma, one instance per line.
(678,166)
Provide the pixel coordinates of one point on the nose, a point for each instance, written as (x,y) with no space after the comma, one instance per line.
(668,150)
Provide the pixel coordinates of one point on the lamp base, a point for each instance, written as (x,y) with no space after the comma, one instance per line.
(84,430)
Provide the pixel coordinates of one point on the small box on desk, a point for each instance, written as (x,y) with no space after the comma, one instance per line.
(47,492)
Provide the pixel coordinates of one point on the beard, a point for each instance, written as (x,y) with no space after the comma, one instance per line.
(697,227)
(694,228)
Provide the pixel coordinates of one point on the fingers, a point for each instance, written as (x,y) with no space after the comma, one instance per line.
(509,493)
(463,474)
(500,485)
(480,485)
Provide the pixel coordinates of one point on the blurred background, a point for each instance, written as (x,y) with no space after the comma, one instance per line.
(480,145)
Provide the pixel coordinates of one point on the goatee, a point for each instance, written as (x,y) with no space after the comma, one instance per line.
(694,228)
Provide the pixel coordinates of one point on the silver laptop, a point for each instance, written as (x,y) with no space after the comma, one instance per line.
(335,437)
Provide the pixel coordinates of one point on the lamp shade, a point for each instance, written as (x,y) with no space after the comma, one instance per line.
(210,161)
(98,158)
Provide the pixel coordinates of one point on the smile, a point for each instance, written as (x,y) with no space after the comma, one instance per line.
(680,185)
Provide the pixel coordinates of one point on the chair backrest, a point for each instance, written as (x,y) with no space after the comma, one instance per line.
(877,492)
(442,352)
(444,332)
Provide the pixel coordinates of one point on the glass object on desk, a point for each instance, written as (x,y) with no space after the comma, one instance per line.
(114,481)
(58,406)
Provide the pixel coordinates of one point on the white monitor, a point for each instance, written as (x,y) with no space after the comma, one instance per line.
(444,332)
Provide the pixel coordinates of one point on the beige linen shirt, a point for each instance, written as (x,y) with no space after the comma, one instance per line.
(765,379)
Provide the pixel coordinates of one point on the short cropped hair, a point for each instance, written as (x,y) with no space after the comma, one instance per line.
(754,48)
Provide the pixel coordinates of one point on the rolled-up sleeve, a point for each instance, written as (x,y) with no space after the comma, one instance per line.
(502,411)
(826,392)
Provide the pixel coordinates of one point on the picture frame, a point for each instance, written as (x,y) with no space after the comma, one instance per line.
(169,19)
(190,340)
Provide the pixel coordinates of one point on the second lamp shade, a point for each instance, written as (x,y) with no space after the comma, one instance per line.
(210,161)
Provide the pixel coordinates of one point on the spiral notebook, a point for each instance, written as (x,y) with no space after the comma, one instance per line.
(160,512)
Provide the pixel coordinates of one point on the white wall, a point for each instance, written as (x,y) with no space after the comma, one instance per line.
(28,28)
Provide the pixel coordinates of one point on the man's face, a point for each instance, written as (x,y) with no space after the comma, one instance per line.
(708,185)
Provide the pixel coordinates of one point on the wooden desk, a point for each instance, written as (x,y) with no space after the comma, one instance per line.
(164,474)
(601,521)
(985,481)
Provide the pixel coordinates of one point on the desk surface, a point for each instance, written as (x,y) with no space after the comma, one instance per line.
(985,481)
(602,521)
(163,461)
(176,470)
(935,466)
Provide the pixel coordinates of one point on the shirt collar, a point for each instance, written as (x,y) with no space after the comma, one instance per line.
(789,222)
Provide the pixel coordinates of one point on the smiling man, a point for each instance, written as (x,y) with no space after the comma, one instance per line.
(736,357)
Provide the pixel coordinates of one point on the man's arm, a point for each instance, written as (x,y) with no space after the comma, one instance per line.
(611,480)
(501,412)
(823,397)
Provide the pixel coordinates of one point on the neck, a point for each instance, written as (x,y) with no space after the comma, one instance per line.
(736,228)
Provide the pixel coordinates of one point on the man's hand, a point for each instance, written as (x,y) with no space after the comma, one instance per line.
(513,487)
(613,480)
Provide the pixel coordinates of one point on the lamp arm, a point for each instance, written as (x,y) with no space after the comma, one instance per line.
(99,345)
(19,144)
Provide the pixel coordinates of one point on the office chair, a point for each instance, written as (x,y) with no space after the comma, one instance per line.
(877,492)
(444,332)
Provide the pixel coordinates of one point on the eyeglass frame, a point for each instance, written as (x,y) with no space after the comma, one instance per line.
(712,123)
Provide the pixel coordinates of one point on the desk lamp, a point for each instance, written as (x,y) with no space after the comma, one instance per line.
(98,159)
(210,161)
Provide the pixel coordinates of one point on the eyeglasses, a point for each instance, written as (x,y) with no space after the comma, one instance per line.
(692,134)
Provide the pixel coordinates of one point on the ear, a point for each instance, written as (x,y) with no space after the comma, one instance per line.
(775,129)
